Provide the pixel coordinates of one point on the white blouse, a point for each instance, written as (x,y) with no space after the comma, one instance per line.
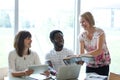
(17,63)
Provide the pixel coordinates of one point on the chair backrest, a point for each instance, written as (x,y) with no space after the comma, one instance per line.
(3,72)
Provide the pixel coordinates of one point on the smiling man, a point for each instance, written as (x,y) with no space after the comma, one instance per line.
(55,57)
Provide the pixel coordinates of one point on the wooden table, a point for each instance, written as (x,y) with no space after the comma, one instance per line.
(114,76)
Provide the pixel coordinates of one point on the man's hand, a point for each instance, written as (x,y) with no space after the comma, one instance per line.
(46,73)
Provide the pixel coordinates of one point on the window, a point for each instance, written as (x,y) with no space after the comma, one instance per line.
(42,16)
(6,29)
(39,17)
(106,14)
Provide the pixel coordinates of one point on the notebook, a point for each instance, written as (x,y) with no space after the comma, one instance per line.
(68,72)
(38,68)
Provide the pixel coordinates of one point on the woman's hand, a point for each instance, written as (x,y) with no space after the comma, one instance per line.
(80,62)
(28,72)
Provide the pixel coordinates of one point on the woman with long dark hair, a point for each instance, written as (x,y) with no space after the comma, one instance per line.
(22,56)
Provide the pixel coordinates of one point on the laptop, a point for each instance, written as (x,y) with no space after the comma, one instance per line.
(68,72)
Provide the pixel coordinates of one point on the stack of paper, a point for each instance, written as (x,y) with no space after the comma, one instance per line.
(94,76)
(37,77)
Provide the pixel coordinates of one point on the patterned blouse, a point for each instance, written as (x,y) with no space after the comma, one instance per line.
(90,45)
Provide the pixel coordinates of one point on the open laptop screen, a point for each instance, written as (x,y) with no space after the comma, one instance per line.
(68,72)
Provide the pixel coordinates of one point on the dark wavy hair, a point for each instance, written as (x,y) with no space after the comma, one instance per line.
(19,42)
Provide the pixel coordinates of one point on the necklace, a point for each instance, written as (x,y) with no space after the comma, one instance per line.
(24,57)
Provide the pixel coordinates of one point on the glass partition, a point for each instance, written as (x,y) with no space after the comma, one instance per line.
(107,17)
(6,29)
(39,17)
(42,16)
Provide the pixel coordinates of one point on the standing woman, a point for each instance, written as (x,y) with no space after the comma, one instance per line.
(21,57)
(93,42)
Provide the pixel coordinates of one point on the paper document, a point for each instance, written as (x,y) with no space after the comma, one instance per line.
(37,76)
(94,76)
(75,59)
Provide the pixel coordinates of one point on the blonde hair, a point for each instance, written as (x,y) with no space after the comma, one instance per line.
(88,17)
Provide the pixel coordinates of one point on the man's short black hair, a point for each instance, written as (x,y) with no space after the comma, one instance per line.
(52,34)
